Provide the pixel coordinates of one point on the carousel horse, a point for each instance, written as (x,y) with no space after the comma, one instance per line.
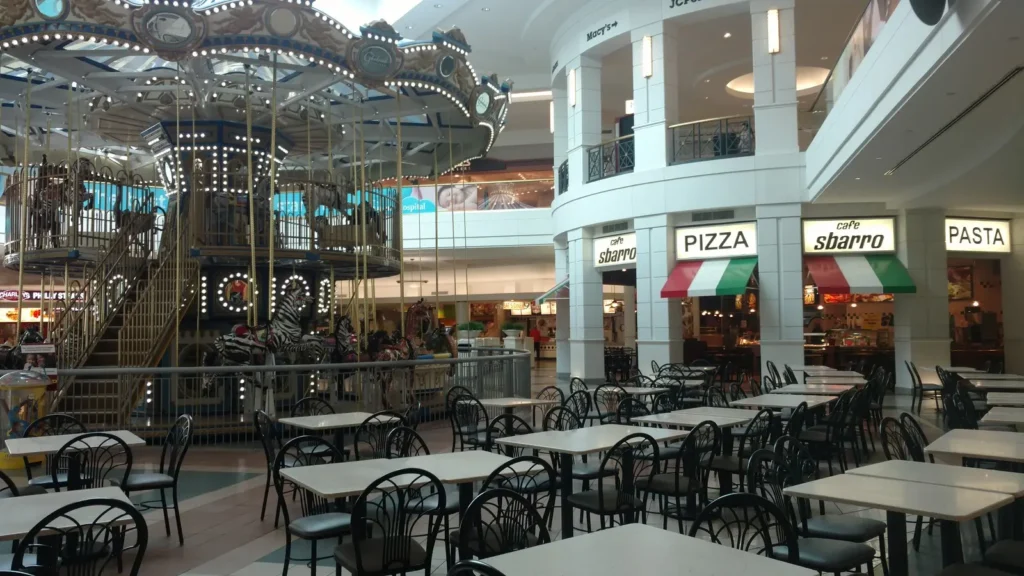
(52,196)
(135,220)
(344,349)
(420,326)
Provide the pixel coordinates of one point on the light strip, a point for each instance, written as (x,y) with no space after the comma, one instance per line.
(572,87)
(774,46)
(551,116)
(647,46)
(530,96)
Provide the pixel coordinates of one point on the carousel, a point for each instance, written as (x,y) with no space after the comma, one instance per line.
(202,176)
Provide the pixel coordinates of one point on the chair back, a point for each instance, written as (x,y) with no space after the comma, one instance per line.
(796,420)
(714,396)
(736,391)
(630,408)
(893,436)
(915,377)
(663,403)
(393,513)
(530,477)
(577,385)
(176,446)
(755,387)
(51,425)
(631,459)
(579,404)
(474,568)
(747,522)
(774,371)
(699,449)
(454,392)
(552,393)
(606,399)
(373,434)
(759,433)
(506,426)
(296,453)
(93,460)
(311,406)
(768,384)
(789,374)
(84,537)
(499,521)
(914,437)
(767,477)
(8,489)
(404,442)
(561,418)
(268,435)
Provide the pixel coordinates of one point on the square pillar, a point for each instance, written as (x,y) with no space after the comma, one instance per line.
(1013,313)
(561,136)
(655,99)
(775,99)
(922,319)
(586,310)
(780,277)
(629,316)
(562,311)
(583,120)
(659,320)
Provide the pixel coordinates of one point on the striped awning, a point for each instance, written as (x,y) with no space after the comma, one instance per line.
(725,277)
(861,274)
(560,291)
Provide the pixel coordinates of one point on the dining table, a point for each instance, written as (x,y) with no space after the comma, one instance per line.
(1014,399)
(814,389)
(338,423)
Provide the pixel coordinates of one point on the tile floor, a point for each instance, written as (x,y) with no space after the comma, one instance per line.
(222,489)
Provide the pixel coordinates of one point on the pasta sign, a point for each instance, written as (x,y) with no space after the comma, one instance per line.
(967,235)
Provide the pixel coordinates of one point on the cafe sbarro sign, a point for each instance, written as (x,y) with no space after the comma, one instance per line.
(849,236)
(615,251)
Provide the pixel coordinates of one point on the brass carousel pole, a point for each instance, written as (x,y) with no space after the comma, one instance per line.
(363,192)
(273,182)
(330,178)
(177,209)
(437,241)
(357,186)
(455,257)
(254,313)
(398,234)
(24,203)
(67,172)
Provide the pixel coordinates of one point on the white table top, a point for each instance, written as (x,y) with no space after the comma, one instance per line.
(330,421)
(351,478)
(702,368)
(1004,415)
(946,475)
(21,514)
(516,402)
(689,420)
(636,549)
(38,445)
(1004,399)
(642,390)
(810,368)
(961,369)
(779,401)
(814,389)
(943,502)
(811,373)
(739,413)
(989,444)
(587,440)
(831,378)
(986,385)
(987,376)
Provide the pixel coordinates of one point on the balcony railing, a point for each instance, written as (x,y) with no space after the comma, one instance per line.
(563,177)
(610,159)
(712,139)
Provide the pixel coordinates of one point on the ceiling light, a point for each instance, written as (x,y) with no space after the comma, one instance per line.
(707,80)
(437,5)
(857,178)
(551,116)
(572,87)
(486,9)
(727,35)
(534,96)
(824,57)
(630,107)
(774,43)
(409,27)
(648,56)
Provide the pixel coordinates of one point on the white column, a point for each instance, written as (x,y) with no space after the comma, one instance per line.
(659,320)
(583,119)
(780,277)
(562,329)
(655,98)
(922,319)
(462,313)
(629,316)
(775,100)
(586,310)
(1013,313)
(561,136)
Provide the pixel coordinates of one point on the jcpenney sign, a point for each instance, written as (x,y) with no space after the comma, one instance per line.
(965,235)
(849,236)
(615,251)
(720,241)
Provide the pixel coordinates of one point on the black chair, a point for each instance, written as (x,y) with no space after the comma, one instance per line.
(384,519)
(628,409)
(469,423)
(802,467)
(499,521)
(577,385)
(827,441)
(579,403)
(552,393)
(664,403)
(747,522)
(49,425)
(166,477)
(311,406)
(893,438)
(13,573)
(630,461)
(796,420)
(92,460)
(774,371)
(370,439)
(477,568)
(403,442)
(914,437)
(606,403)
(767,384)
(767,476)
(320,518)
(920,388)
(505,426)
(82,542)
(270,439)
(532,478)
(560,418)
(757,436)
(736,391)
(714,396)
(413,414)
(692,471)
(8,489)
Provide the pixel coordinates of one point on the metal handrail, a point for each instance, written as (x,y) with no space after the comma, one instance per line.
(611,158)
(719,118)
(726,137)
(563,177)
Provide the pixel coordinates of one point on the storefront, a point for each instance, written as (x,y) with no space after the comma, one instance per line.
(974,251)
(853,277)
(37,309)
(716,277)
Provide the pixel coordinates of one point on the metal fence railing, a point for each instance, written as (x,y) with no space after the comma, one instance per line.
(712,139)
(610,158)
(563,177)
(222,399)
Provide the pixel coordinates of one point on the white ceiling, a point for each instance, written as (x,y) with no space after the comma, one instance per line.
(974,165)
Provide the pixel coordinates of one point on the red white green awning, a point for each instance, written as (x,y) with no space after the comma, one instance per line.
(725,277)
(560,291)
(861,274)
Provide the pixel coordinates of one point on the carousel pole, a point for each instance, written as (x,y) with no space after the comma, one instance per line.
(177,209)
(455,257)
(398,234)
(437,241)
(330,178)
(363,193)
(24,203)
(357,186)
(67,171)
(273,184)
(254,313)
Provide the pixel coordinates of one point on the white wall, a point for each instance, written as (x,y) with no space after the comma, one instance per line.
(479,229)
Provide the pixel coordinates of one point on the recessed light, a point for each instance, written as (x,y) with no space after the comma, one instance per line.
(486,9)
(857,178)
(437,5)
(878,158)
(707,80)
(727,35)
(824,57)
(408,27)
(705,97)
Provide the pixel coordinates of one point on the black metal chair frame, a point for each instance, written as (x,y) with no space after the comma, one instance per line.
(736,519)
(50,425)
(91,465)
(374,433)
(270,438)
(506,509)
(693,462)
(404,442)
(468,420)
(533,478)
(628,460)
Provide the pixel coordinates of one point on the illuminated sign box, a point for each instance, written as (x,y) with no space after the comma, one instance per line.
(850,236)
(972,235)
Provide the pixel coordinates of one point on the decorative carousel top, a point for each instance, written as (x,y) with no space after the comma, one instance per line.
(135,63)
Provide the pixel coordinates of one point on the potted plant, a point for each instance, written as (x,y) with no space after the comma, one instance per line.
(470,330)
(512,329)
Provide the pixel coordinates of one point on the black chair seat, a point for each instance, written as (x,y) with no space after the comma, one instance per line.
(845,527)
(525,486)
(1006,555)
(315,450)
(317,526)
(972,570)
(493,542)
(372,552)
(727,464)
(665,485)
(605,502)
(145,481)
(825,555)
(813,436)
(475,438)
(46,482)
(931,387)
(451,502)
(590,470)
